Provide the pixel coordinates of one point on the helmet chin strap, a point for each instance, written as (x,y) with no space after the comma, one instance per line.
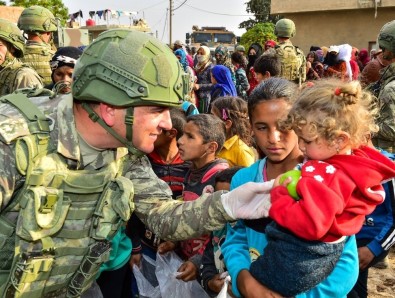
(129,128)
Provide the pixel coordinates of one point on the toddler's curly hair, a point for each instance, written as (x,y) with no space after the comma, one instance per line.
(330,106)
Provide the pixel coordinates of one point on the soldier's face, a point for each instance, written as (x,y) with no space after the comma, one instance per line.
(3,51)
(149,121)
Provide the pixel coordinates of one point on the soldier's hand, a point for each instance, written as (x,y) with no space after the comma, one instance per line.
(166,247)
(135,260)
(188,271)
(248,201)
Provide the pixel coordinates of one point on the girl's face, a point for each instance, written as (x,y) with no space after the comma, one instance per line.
(275,144)
(213,80)
(191,145)
(315,147)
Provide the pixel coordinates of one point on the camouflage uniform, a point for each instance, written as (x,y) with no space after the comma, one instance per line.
(385,137)
(42,261)
(15,75)
(35,20)
(293,60)
(38,55)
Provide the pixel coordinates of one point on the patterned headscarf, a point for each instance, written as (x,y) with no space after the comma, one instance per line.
(183,58)
(225,59)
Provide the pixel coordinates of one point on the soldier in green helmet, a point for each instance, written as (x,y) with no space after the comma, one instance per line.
(385,138)
(293,60)
(13,73)
(38,25)
(75,169)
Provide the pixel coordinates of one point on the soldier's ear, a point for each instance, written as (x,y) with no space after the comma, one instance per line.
(107,113)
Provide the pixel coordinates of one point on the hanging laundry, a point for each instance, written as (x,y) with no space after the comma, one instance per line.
(100,13)
(92,14)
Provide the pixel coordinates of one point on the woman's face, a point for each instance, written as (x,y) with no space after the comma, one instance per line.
(252,52)
(63,73)
(277,145)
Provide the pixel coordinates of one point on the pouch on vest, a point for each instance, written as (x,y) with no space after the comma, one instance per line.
(115,205)
(29,267)
(43,212)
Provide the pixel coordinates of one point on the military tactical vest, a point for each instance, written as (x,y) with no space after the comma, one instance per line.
(65,216)
(293,62)
(8,76)
(38,57)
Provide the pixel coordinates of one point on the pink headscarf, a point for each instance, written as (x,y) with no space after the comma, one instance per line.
(364,56)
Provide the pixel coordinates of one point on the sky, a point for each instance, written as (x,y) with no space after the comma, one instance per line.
(224,13)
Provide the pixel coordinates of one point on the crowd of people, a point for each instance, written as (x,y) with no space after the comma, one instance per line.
(130,149)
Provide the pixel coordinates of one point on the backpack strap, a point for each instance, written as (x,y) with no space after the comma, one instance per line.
(215,169)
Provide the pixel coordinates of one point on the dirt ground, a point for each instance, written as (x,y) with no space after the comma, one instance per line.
(382,281)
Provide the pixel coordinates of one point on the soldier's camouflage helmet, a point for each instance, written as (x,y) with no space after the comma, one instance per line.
(129,68)
(386,37)
(10,33)
(285,28)
(37,19)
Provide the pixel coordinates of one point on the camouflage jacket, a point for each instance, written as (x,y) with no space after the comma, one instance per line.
(293,62)
(15,75)
(38,55)
(385,138)
(154,205)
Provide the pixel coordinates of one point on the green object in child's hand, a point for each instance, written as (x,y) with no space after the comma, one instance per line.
(295,175)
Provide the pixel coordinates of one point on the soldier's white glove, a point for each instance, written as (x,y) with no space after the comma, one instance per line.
(248,201)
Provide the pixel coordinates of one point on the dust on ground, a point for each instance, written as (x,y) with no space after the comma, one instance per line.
(381,282)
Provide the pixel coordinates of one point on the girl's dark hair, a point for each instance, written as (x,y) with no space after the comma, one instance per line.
(227,174)
(235,109)
(178,120)
(211,128)
(272,88)
(237,57)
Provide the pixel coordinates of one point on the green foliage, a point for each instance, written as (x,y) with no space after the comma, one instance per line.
(260,33)
(55,6)
(261,11)
(3,3)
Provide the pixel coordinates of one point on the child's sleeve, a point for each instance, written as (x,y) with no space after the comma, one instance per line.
(208,268)
(236,252)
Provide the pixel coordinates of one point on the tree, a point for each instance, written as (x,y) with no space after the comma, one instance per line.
(260,33)
(261,10)
(55,6)
(3,3)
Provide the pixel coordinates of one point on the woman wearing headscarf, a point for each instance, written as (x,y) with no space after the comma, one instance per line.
(62,66)
(222,57)
(203,84)
(222,83)
(254,51)
(182,57)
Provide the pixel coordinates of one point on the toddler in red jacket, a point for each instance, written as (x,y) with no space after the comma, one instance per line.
(340,183)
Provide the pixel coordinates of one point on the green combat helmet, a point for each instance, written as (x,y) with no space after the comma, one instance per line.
(386,37)
(285,28)
(10,33)
(128,68)
(37,19)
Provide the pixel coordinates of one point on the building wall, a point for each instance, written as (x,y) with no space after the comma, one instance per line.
(358,28)
(11,13)
(292,6)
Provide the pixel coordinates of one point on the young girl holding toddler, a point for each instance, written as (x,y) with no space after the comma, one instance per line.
(332,118)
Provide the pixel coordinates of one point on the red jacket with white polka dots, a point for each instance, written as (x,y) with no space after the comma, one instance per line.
(335,195)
